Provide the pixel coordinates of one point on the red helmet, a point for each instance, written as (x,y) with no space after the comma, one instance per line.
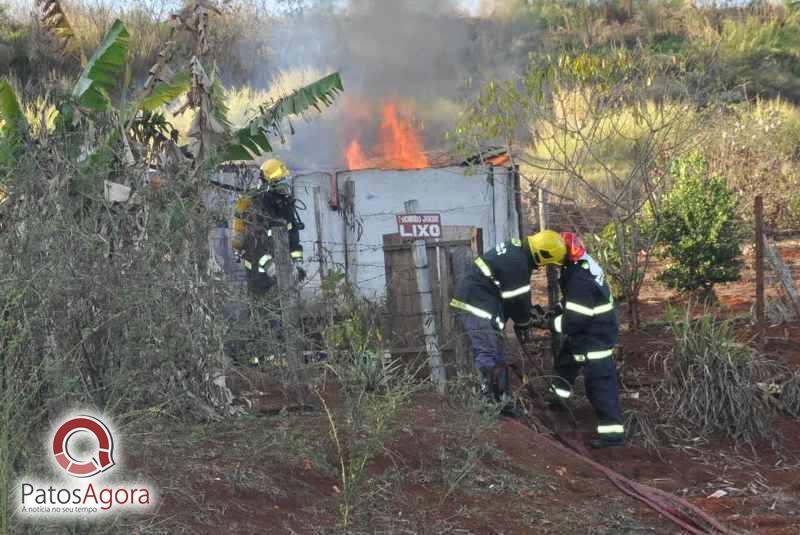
(575,248)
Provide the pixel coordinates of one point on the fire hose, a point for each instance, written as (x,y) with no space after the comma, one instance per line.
(683,514)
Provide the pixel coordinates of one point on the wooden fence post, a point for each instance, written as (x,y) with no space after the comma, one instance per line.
(759,238)
(289,296)
(318,224)
(784,274)
(429,326)
(552,274)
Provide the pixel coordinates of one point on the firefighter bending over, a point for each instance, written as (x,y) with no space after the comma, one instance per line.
(588,320)
(498,287)
(256,214)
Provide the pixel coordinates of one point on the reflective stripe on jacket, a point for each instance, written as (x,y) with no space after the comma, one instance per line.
(497,286)
(590,319)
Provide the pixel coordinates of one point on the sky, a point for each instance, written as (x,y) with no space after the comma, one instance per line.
(471,6)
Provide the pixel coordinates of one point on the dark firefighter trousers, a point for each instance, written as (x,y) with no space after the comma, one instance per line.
(600,377)
(486,341)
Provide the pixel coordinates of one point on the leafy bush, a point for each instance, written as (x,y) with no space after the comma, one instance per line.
(697,229)
(763,52)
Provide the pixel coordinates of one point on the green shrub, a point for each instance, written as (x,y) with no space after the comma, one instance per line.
(697,229)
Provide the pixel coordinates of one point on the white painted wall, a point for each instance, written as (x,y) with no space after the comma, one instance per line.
(461,198)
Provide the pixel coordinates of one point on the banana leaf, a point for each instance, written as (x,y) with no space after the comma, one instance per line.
(253,140)
(164,93)
(14,122)
(103,70)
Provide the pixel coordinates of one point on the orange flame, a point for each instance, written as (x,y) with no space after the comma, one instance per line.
(399,145)
(356,159)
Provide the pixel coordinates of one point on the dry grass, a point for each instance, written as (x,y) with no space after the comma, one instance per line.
(711,381)
(790,395)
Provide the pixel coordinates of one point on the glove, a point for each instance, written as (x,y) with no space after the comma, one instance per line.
(523,331)
(538,317)
(555,311)
(301,274)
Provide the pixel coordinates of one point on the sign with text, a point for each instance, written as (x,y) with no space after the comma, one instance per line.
(419,225)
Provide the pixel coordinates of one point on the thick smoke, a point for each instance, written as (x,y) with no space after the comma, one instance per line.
(419,53)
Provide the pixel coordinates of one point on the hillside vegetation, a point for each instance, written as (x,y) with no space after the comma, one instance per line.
(627,111)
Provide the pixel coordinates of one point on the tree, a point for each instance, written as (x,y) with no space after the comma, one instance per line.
(698,230)
(596,128)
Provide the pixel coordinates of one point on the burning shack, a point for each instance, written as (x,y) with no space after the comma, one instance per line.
(348,212)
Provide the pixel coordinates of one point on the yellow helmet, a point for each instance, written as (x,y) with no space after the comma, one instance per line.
(548,247)
(273,170)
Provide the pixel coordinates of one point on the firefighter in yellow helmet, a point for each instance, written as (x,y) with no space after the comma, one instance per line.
(496,288)
(256,214)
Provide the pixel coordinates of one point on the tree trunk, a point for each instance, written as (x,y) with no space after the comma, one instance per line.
(634,313)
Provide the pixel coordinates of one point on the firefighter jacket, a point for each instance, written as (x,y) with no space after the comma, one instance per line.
(589,320)
(497,286)
(269,209)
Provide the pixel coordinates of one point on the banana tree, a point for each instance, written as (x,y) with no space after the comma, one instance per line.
(93,97)
(99,96)
(253,140)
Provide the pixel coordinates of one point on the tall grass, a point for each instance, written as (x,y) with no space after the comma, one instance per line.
(375,386)
(103,305)
(754,145)
(602,145)
(712,380)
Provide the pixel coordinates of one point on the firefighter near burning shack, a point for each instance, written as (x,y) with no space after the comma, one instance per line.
(256,214)
(496,288)
(588,321)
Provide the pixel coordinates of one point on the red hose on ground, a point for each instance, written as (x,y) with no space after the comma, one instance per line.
(687,516)
(679,511)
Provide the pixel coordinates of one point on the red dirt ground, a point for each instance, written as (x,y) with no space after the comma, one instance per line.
(442,472)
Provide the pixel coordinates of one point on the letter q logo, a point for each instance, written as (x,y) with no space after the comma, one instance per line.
(102,461)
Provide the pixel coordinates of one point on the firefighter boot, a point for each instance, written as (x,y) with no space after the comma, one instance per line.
(608,441)
(505,394)
(554,402)
(609,435)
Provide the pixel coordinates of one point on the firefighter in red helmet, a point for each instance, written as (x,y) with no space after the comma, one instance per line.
(587,318)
